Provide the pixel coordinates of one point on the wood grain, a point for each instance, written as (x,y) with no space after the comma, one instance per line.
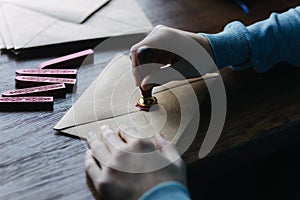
(37,164)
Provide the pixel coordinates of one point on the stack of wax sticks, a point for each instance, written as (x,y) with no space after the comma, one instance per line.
(37,88)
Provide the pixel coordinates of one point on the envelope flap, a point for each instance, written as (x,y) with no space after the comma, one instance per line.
(75,11)
(98,100)
(113,95)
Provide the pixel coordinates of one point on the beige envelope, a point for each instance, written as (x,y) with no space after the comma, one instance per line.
(111,99)
(76,11)
(39,23)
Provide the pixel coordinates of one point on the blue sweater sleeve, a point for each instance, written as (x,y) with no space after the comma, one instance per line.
(261,45)
(167,191)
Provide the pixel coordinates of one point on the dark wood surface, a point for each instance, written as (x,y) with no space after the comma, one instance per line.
(37,164)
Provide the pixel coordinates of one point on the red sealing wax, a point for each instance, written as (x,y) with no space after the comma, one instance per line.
(19,104)
(55,90)
(33,81)
(61,73)
(69,61)
(143,108)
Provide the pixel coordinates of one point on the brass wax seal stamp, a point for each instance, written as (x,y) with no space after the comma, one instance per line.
(146,100)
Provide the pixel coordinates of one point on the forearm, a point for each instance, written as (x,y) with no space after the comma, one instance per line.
(260,45)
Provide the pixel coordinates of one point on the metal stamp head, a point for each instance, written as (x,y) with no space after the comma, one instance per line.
(145,103)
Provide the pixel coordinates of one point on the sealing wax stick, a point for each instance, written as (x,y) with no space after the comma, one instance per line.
(69,61)
(33,81)
(19,104)
(60,73)
(55,90)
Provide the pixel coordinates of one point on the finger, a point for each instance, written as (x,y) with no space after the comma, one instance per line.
(111,139)
(168,150)
(98,148)
(134,143)
(128,133)
(146,55)
(92,169)
(133,58)
(141,145)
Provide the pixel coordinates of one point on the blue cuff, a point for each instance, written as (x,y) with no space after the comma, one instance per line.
(169,190)
(260,45)
(230,47)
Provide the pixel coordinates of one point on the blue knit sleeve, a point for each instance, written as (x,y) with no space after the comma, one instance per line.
(261,45)
(167,191)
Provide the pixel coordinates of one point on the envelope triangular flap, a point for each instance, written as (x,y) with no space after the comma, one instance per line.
(129,8)
(75,11)
(97,101)
(111,99)
(93,28)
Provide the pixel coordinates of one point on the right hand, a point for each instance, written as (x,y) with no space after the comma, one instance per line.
(147,74)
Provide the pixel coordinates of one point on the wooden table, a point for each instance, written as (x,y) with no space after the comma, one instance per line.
(263,111)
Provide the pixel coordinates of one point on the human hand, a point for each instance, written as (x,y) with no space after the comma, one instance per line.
(112,150)
(143,56)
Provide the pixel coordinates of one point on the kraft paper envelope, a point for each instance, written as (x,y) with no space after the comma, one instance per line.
(75,11)
(40,23)
(111,99)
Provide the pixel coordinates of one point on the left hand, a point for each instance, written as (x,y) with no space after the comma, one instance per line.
(112,150)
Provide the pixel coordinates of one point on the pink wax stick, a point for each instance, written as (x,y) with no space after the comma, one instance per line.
(60,73)
(34,81)
(69,61)
(55,90)
(19,104)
